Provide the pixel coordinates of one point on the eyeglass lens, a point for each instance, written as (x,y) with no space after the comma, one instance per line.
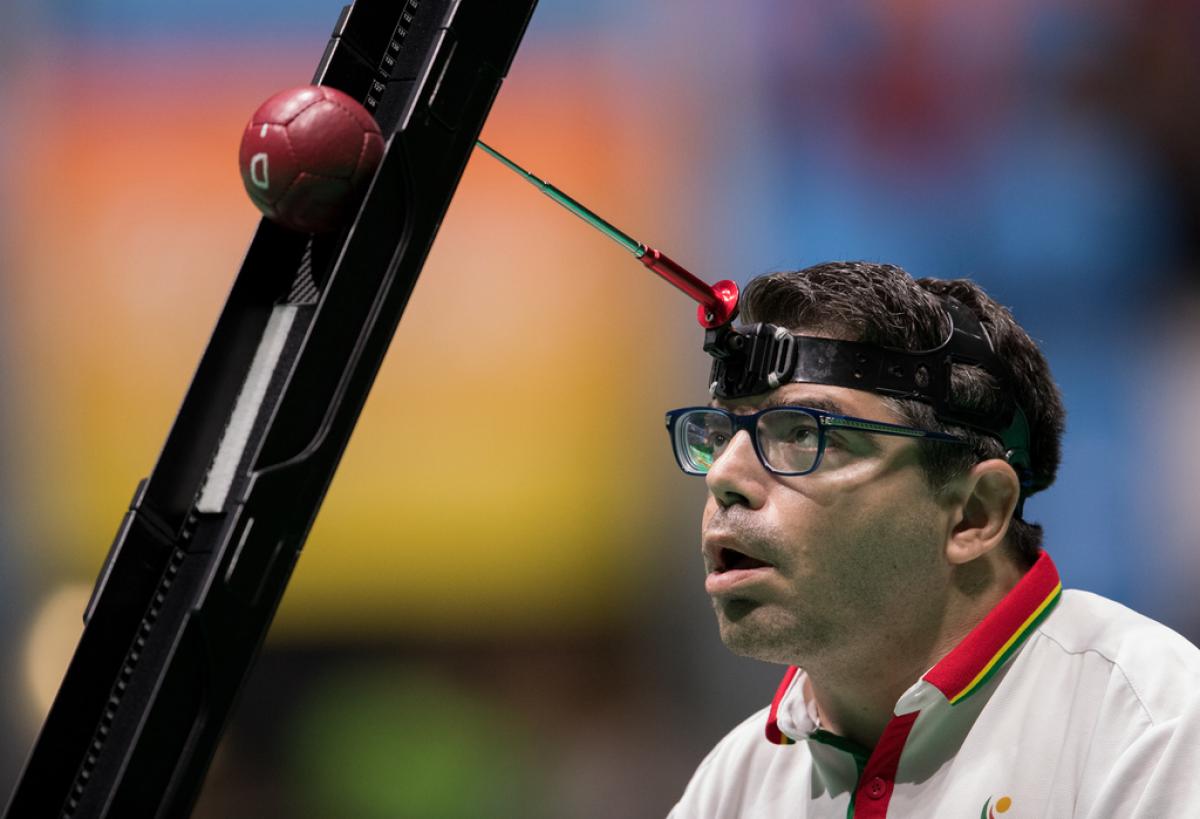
(789,439)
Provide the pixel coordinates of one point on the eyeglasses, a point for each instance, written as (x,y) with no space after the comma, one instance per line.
(788,440)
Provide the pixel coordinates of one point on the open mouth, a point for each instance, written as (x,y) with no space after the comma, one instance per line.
(731,560)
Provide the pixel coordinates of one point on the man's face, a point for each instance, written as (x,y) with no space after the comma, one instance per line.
(853,552)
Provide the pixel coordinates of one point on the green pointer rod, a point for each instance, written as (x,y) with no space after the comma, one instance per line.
(718,303)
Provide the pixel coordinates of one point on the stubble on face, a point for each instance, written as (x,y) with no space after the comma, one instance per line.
(840,585)
(856,554)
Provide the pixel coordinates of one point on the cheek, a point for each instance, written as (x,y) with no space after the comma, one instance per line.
(823,507)
(858,520)
(838,484)
(864,487)
(891,537)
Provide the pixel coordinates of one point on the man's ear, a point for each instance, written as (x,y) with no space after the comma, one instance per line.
(984,509)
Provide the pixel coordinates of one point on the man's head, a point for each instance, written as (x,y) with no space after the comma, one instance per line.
(886,524)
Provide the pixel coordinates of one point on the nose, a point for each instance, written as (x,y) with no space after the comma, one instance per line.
(737,476)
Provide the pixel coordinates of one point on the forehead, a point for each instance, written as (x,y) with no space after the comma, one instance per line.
(839,400)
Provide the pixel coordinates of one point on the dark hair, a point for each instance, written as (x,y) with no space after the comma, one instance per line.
(881,304)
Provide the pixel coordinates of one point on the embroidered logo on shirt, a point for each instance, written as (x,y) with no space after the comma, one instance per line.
(989,810)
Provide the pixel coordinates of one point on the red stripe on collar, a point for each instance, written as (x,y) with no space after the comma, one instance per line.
(993,641)
(773,732)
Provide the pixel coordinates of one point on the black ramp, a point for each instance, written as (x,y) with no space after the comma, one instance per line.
(203,556)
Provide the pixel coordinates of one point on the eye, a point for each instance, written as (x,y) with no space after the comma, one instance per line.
(717,439)
(800,435)
(803,434)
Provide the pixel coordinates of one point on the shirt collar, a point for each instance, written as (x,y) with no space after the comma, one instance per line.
(991,643)
(969,664)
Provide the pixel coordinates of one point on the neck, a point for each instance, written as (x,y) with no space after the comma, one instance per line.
(856,689)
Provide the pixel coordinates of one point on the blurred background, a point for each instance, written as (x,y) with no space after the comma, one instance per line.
(529,636)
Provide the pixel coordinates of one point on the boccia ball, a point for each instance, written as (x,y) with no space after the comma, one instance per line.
(307,156)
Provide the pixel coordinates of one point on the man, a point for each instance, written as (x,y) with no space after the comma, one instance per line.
(864,526)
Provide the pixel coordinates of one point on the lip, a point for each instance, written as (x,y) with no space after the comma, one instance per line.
(714,543)
(723,584)
(722,580)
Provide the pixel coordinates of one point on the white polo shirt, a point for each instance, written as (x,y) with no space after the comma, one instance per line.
(1057,705)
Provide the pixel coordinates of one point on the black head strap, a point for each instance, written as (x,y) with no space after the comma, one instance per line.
(761,357)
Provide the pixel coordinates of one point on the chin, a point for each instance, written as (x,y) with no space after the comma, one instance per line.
(750,629)
(773,633)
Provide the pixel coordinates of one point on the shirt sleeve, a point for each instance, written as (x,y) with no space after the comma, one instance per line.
(1156,775)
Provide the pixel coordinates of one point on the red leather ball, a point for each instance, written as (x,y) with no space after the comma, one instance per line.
(307,156)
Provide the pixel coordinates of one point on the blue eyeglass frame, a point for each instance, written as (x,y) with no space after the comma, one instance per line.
(825,421)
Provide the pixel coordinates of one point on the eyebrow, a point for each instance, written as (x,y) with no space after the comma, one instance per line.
(812,402)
